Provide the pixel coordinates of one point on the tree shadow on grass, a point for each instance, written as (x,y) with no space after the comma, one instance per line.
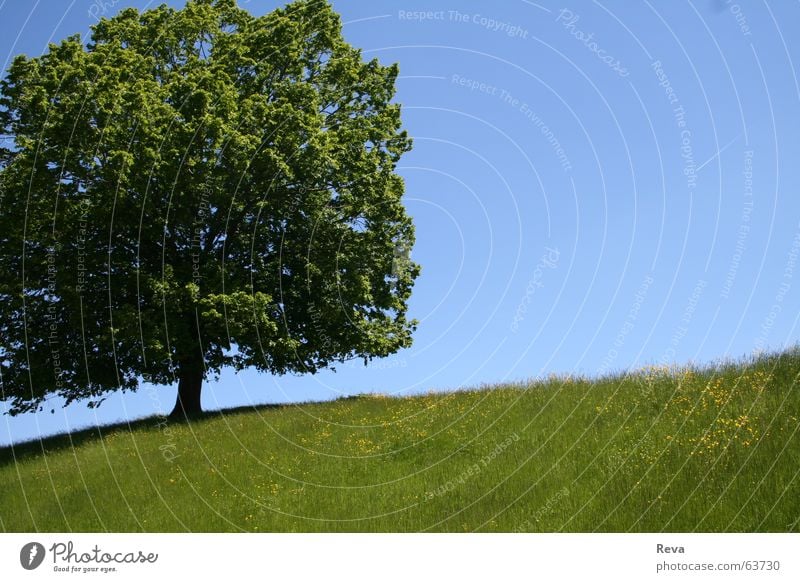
(24,450)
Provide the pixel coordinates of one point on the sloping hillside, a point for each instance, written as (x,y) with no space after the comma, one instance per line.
(714,449)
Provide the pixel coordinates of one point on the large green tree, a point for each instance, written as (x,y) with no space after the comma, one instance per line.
(193,189)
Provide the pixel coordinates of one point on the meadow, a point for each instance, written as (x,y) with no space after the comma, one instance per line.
(710,448)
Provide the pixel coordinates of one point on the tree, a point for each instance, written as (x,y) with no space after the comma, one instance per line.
(195,189)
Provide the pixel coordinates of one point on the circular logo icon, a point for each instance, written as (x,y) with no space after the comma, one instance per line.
(31,555)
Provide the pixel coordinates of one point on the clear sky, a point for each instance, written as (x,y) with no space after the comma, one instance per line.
(596,186)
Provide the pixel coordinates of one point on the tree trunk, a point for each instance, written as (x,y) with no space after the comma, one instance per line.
(187,404)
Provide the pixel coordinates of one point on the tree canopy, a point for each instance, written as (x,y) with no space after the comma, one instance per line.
(193,189)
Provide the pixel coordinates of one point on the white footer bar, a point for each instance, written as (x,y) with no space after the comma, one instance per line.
(402,557)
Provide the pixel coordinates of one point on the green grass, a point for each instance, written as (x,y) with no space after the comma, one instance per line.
(710,449)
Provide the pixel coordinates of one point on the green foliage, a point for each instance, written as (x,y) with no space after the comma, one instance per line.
(198,188)
(712,449)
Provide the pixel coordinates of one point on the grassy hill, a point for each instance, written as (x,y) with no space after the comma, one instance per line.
(711,449)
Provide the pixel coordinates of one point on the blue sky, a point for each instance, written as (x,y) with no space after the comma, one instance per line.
(596,186)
